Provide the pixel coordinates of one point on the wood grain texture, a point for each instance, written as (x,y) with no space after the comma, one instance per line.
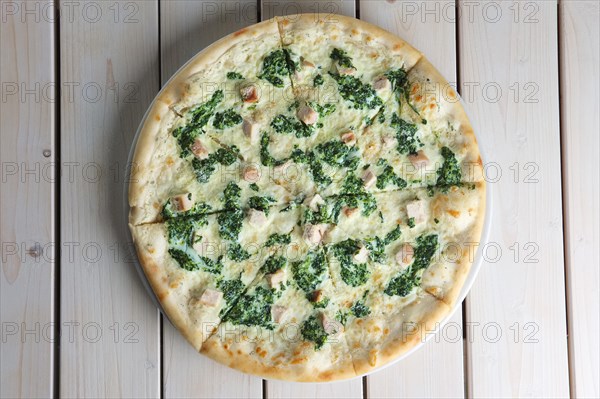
(187,27)
(430,27)
(27,268)
(109,56)
(580,102)
(516,309)
(272,8)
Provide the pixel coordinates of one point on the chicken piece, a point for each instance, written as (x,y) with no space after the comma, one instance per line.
(348,138)
(331,326)
(251,174)
(198,149)
(250,128)
(182,202)
(211,297)
(276,279)
(416,210)
(314,202)
(257,218)
(349,211)
(278,313)
(361,256)
(369,178)
(405,254)
(249,94)
(317,296)
(382,84)
(307,115)
(314,233)
(419,159)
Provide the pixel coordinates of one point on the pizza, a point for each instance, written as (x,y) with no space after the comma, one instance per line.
(305,198)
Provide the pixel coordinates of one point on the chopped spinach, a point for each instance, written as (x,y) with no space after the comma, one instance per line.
(234,76)
(227,118)
(359,309)
(318,81)
(449,174)
(261,203)
(198,117)
(312,330)
(408,279)
(353,274)
(265,156)
(311,271)
(275,239)
(277,66)
(274,263)
(406,133)
(341,57)
(254,187)
(323,110)
(388,177)
(204,168)
(253,309)
(336,153)
(360,94)
(230,223)
(288,125)
(237,253)
(231,289)
(199,208)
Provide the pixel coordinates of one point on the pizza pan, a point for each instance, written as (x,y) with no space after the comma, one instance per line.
(470,279)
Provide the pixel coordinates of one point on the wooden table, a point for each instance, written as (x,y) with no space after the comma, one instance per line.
(75,319)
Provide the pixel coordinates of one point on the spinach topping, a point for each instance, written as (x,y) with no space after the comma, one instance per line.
(181,234)
(342,317)
(231,290)
(230,223)
(275,239)
(311,271)
(312,330)
(314,163)
(401,87)
(288,125)
(376,245)
(237,253)
(353,274)
(409,278)
(449,174)
(323,110)
(204,168)
(411,222)
(197,119)
(234,76)
(253,309)
(388,177)
(322,304)
(274,263)
(359,309)
(336,153)
(318,81)
(199,208)
(341,57)
(362,95)
(232,195)
(408,143)
(261,203)
(227,118)
(276,66)
(265,157)
(254,187)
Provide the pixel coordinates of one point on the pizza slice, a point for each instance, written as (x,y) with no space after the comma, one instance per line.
(285,325)
(198,265)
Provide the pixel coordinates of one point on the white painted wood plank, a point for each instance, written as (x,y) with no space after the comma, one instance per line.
(109,65)
(436,370)
(186,28)
(580,102)
(27,206)
(516,309)
(271,8)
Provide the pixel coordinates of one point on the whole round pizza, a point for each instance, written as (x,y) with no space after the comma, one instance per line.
(306,196)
